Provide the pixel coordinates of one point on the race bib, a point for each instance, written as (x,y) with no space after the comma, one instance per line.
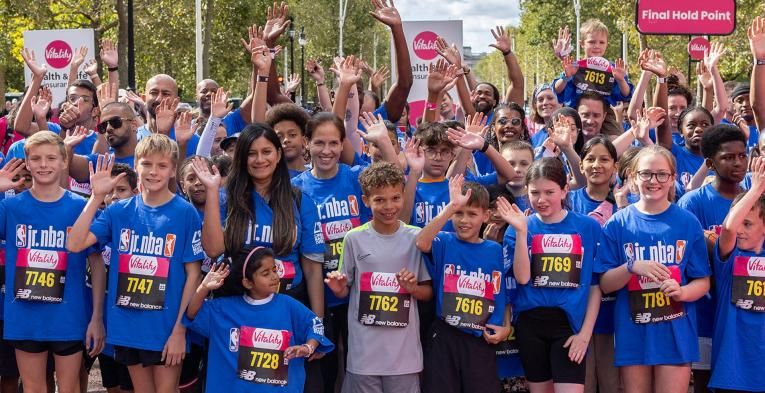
(508,347)
(382,302)
(594,74)
(286,271)
(649,304)
(261,355)
(141,281)
(748,286)
(556,260)
(333,233)
(467,301)
(40,275)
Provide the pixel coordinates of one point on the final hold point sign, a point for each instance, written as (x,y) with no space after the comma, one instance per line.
(686,17)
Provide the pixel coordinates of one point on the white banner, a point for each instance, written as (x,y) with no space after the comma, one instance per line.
(55,49)
(421,39)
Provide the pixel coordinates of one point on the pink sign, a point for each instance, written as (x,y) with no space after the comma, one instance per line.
(58,54)
(424,45)
(686,17)
(697,47)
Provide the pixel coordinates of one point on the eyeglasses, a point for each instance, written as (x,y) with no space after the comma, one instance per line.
(516,121)
(661,177)
(115,122)
(432,154)
(73,98)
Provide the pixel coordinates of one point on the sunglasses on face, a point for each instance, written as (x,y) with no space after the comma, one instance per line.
(114,122)
(514,121)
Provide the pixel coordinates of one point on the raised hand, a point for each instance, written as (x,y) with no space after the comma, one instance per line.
(91,67)
(440,75)
(641,125)
(10,171)
(704,76)
(619,70)
(376,129)
(512,215)
(69,115)
(415,157)
(219,104)
(79,57)
(277,21)
(569,67)
(713,54)
(261,58)
(407,280)
(107,93)
(448,52)
(386,12)
(41,103)
(503,42)
(315,70)
(109,54)
(336,281)
(378,77)
(165,114)
(135,99)
(183,129)
(101,180)
(464,139)
(215,277)
(74,136)
(758,175)
(756,34)
(209,177)
(674,71)
(477,123)
(456,197)
(562,45)
(563,127)
(293,82)
(654,63)
(347,70)
(254,33)
(656,116)
(38,71)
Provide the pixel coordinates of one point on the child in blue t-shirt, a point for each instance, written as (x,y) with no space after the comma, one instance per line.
(47,311)
(259,339)
(693,122)
(470,295)
(157,236)
(432,192)
(551,255)
(739,263)
(652,254)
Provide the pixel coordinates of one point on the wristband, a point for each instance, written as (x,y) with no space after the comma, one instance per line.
(112,69)
(630,264)
(485,146)
(661,80)
(310,349)
(262,78)
(430,106)
(506,52)
(759,62)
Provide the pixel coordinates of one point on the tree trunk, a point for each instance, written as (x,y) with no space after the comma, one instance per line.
(647,98)
(207,39)
(2,87)
(122,41)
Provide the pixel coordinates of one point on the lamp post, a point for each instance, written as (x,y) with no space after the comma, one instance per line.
(577,11)
(131,46)
(302,41)
(292,48)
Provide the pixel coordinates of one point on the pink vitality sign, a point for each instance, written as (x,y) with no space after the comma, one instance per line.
(686,17)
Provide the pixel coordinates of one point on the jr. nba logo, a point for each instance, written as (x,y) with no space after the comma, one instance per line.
(21,235)
(449,268)
(419,212)
(629,252)
(354,205)
(124,240)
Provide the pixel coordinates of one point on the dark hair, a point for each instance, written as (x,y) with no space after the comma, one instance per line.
(600,140)
(88,85)
(548,168)
(322,118)
(288,111)
(240,213)
(433,134)
(251,256)
(374,96)
(223,163)
(690,110)
(511,106)
(130,174)
(380,174)
(571,112)
(715,136)
(453,124)
(594,96)
(679,90)
(494,91)
(499,190)
(479,197)
(187,162)
(518,146)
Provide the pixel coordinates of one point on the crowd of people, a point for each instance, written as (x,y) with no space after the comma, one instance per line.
(599,244)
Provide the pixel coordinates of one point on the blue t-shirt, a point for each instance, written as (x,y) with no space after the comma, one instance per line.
(483,164)
(739,337)
(37,308)
(508,360)
(673,238)
(309,238)
(687,165)
(571,93)
(430,199)
(450,261)
(484,180)
(539,137)
(147,274)
(240,330)
(129,160)
(710,208)
(340,209)
(191,146)
(84,148)
(581,203)
(233,123)
(568,286)
(754,134)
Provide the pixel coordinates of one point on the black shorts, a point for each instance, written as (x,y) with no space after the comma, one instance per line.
(541,333)
(114,374)
(459,362)
(59,348)
(8,367)
(133,356)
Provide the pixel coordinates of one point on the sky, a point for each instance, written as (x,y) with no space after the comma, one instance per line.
(478,16)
